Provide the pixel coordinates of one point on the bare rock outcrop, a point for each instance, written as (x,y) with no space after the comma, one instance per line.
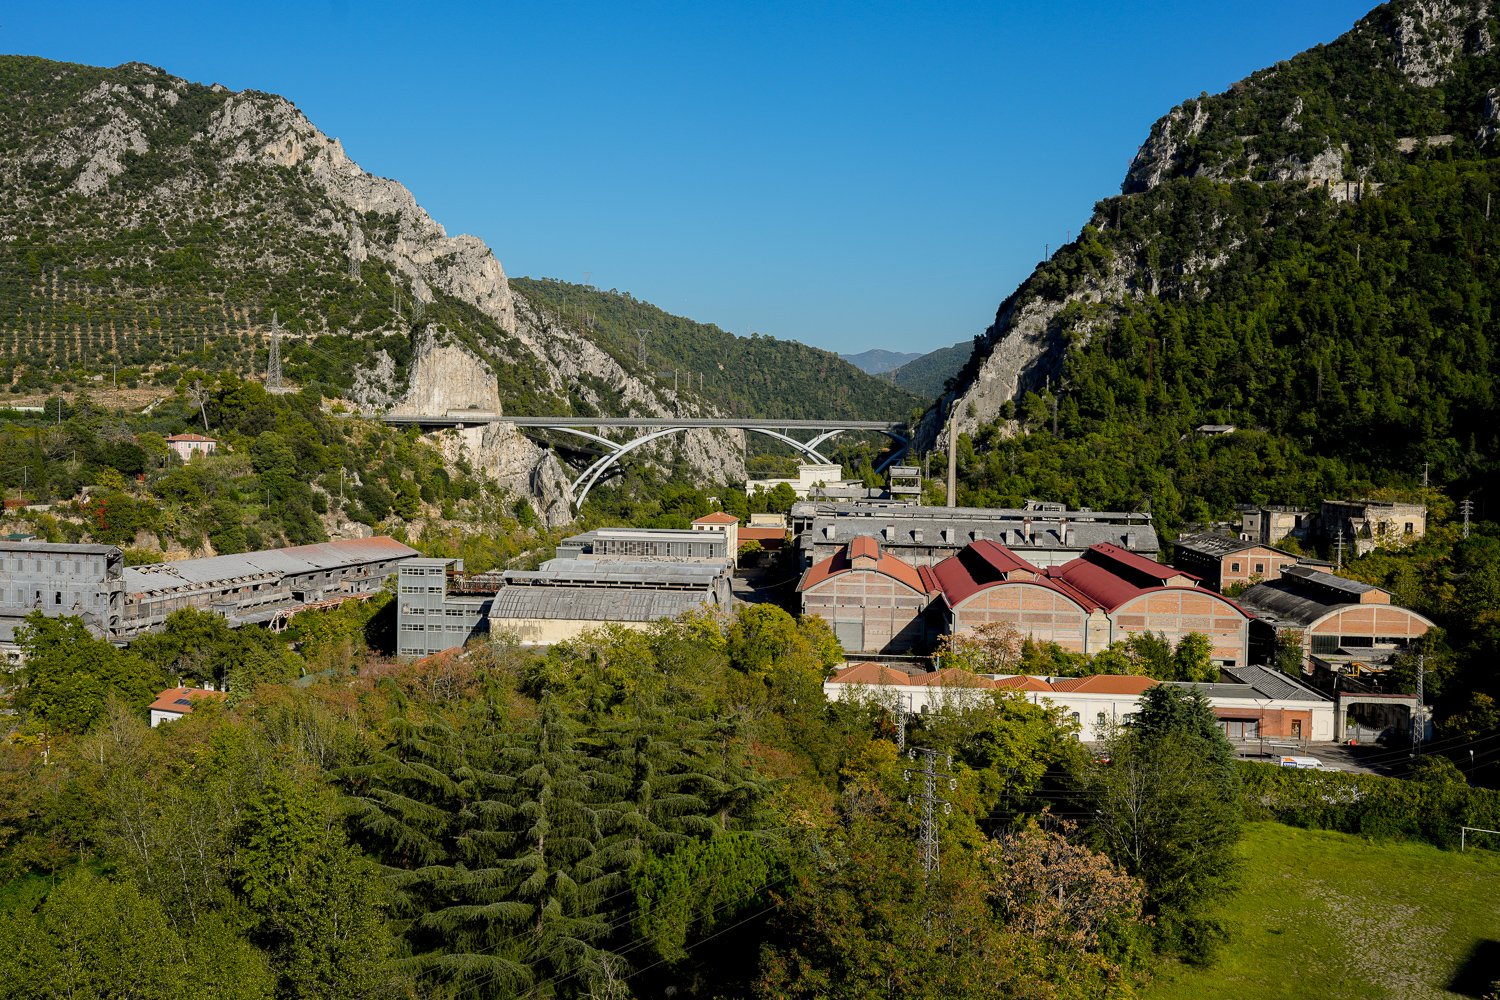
(446,377)
(516,463)
(260,128)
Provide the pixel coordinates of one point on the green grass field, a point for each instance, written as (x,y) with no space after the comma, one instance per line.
(1327,915)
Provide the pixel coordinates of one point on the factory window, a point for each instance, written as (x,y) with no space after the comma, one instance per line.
(57,598)
(1410,528)
(1260,567)
(1100,720)
(1325,644)
(1234,567)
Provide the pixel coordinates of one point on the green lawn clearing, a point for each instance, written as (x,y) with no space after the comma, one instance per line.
(1328,915)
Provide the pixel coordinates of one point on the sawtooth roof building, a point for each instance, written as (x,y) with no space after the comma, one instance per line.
(1045,534)
(119,602)
(566,597)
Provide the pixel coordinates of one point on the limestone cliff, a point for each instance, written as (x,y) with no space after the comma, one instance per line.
(1331,126)
(516,463)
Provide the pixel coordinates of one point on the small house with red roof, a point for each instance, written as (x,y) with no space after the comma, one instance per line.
(173,703)
(873,601)
(187,445)
(728,524)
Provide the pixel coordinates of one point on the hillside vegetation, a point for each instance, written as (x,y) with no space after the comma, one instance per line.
(1311,257)
(754,376)
(928,375)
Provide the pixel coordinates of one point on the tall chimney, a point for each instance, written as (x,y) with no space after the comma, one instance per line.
(952,457)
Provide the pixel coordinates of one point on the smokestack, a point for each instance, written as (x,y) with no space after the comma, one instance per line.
(952,457)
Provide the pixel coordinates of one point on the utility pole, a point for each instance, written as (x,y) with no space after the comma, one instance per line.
(273,360)
(1424,474)
(1340,563)
(928,774)
(1466,506)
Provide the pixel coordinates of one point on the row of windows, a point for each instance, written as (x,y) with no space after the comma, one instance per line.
(1332,643)
(411,588)
(435,627)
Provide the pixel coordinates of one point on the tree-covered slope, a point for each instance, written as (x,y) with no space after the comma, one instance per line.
(740,376)
(928,375)
(1337,307)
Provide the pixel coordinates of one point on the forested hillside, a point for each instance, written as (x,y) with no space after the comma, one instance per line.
(1311,257)
(928,375)
(741,376)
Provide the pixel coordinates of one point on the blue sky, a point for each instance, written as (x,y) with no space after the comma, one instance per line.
(849,175)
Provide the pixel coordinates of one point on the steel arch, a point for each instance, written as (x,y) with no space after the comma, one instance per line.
(590,476)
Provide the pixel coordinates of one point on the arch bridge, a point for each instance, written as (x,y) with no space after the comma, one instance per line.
(656,428)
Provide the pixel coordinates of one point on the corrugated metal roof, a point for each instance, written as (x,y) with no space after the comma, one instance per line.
(567,572)
(57,548)
(601,604)
(1273,683)
(267,564)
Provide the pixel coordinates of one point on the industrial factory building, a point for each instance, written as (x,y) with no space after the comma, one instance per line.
(876,602)
(1044,534)
(118,602)
(625,576)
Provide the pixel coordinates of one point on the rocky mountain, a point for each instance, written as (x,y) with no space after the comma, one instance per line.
(877,361)
(150,226)
(1363,167)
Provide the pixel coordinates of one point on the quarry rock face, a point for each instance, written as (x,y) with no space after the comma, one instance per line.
(446,377)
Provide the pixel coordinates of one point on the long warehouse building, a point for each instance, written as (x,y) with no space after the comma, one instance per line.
(119,602)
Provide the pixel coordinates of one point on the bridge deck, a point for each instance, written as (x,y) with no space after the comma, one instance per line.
(458,417)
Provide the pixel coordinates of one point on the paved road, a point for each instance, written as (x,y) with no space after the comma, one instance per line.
(1364,759)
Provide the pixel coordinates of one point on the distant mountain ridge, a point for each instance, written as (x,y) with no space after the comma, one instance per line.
(877,361)
(151,226)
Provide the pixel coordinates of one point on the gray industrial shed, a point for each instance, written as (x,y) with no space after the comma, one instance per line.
(1044,534)
(565,597)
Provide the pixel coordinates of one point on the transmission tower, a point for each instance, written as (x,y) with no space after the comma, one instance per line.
(273,362)
(1417,722)
(904,715)
(1466,507)
(640,334)
(928,774)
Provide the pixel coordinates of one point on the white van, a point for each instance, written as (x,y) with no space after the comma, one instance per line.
(1301,763)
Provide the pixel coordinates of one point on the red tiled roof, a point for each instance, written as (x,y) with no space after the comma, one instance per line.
(954,677)
(1024,682)
(762,534)
(180,699)
(191,437)
(841,562)
(1105,684)
(984,564)
(870,673)
(717,517)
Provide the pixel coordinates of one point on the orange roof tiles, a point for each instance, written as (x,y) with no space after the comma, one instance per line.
(717,517)
(180,699)
(871,673)
(842,562)
(1105,684)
